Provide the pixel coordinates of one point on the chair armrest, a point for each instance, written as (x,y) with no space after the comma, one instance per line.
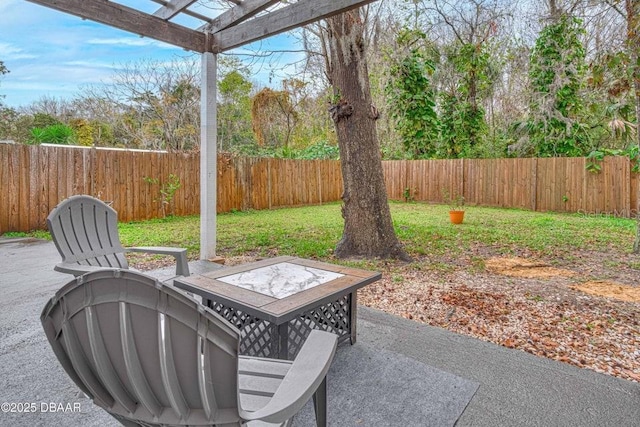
(302,380)
(77,269)
(180,254)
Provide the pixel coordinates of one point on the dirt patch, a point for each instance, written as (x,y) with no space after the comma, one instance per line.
(608,289)
(521,267)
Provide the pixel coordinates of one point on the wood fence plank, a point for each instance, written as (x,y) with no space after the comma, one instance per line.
(53,177)
(5,161)
(135,184)
(14,190)
(154,189)
(634,188)
(24,188)
(7,155)
(34,188)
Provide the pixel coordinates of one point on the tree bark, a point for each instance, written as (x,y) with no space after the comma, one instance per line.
(368,229)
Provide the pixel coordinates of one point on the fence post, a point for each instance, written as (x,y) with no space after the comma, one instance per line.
(318,179)
(534,185)
(408,173)
(269,189)
(462,178)
(628,173)
(93,172)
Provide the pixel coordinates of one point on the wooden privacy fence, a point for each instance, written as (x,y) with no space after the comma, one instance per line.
(33,179)
(541,184)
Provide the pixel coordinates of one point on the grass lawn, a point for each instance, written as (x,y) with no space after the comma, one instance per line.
(424,229)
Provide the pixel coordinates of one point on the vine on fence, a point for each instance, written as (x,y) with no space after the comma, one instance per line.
(167,192)
(409,194)
(596,157)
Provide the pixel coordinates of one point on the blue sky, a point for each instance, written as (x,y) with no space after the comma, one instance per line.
(55,54)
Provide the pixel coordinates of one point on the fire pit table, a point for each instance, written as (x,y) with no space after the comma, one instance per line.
(277,302)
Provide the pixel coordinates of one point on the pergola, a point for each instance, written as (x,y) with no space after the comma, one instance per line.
(240,23)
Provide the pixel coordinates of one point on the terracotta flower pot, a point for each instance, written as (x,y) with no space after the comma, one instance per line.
(456,217)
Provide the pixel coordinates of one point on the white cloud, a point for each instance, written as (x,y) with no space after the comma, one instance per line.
(129,42)
(33,86)
(9,51)
(91,64)
(7,5)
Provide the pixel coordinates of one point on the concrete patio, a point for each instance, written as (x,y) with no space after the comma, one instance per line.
(505,387)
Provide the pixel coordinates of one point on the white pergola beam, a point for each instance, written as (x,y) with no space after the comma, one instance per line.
(172,8)
(187,12)
(132,20)
(293,16)
(237,14)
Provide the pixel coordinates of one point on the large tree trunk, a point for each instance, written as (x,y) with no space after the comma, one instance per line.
(633,41)
(368,229)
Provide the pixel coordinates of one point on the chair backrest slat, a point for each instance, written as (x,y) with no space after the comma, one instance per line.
(85,231)
(64,236)
(205,377)
(132,363)
(81,366)
(168,366)
(63,356)
(76,215)
(102,362)
(142,347)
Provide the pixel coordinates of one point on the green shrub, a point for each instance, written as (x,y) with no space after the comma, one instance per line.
(54,134)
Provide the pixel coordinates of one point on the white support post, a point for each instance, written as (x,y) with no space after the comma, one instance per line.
(208,156)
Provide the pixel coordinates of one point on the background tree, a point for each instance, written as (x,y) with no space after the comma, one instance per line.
(468,68)
(368,229)
(48,110)
(234,106)
(103,116)
(633,44)
(484,81)
(631,13)
(159,104)
(9,118)
(273,117)
(3,71)
(557,72)
(463,117)
(607,98)
(411,97)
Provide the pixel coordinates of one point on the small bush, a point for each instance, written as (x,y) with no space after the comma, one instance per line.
(54,134)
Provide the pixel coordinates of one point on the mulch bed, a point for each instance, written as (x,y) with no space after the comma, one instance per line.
(525,304)
(580,311)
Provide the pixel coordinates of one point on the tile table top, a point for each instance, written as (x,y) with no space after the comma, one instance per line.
(281,280)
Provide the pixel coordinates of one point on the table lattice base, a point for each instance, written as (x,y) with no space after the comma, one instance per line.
(262,338)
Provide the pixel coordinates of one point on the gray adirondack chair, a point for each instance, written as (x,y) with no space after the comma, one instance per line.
(85,231)
(152,356)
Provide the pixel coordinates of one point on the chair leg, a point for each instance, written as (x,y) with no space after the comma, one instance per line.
(320,404)
(182,264)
